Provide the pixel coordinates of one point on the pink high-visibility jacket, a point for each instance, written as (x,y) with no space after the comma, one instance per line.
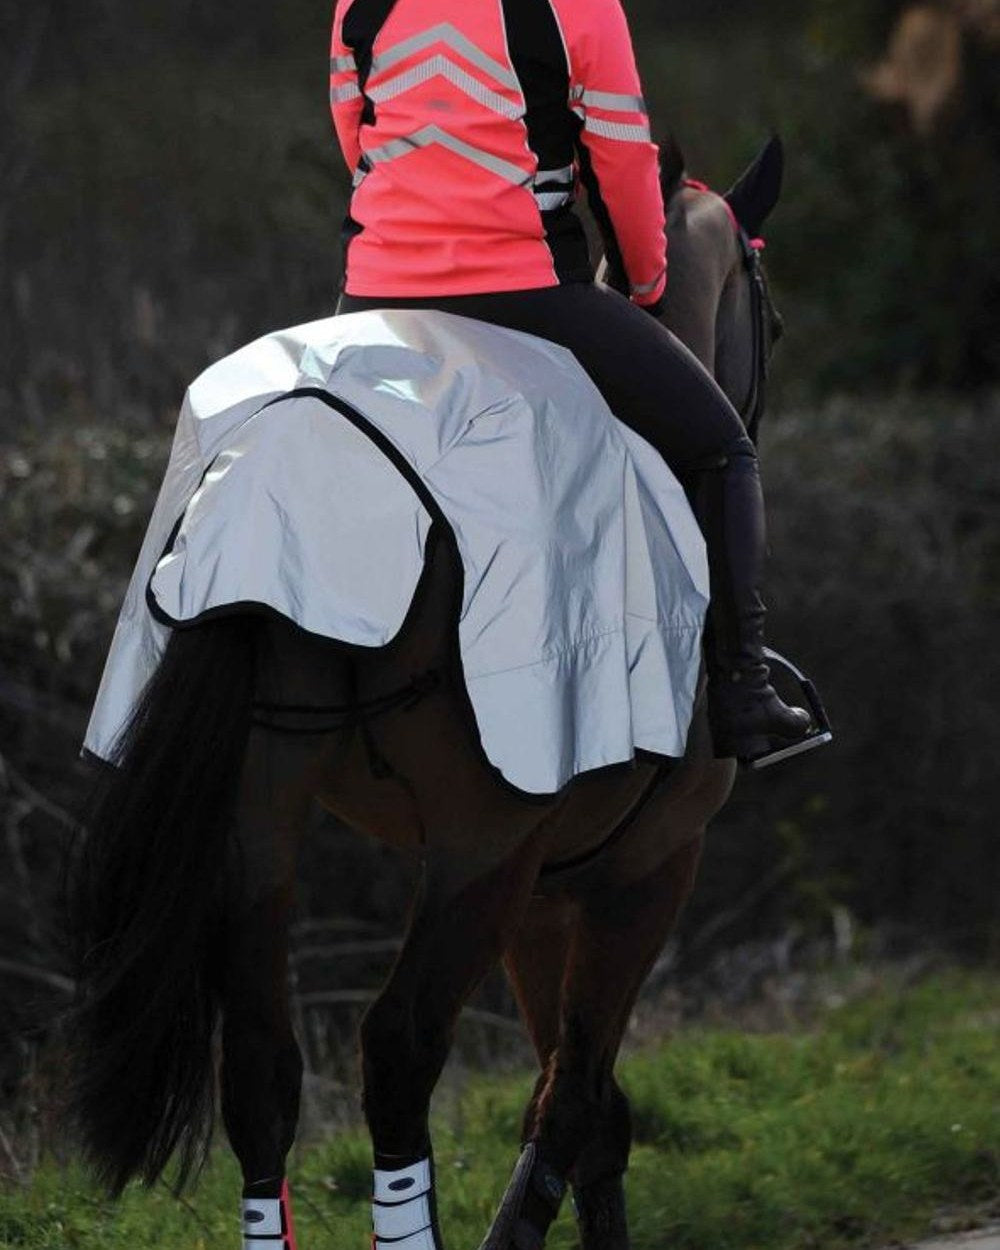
(469,125)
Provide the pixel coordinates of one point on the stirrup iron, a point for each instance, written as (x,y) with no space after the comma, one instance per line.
(817,737)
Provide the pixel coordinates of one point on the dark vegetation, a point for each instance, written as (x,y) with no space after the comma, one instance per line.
(169,189)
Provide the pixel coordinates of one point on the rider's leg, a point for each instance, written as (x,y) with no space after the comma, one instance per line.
(658,388)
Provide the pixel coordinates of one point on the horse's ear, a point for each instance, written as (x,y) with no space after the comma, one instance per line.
(672,166)
(754,196)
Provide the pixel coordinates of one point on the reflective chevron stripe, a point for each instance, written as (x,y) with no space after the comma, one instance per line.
(430,135)
(460,78)
(340,95)
(450,35)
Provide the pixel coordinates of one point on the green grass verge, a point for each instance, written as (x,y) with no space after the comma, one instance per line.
(852,1133)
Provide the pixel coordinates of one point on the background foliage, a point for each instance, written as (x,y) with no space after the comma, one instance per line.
(169,189)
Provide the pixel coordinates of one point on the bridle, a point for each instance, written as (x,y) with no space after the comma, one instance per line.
(762,314)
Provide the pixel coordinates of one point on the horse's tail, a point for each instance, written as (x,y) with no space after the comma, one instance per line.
(145,912)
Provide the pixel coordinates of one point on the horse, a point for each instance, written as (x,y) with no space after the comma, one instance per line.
(184,886)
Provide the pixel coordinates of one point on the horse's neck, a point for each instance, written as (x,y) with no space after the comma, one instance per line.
(734,340)
(700,258)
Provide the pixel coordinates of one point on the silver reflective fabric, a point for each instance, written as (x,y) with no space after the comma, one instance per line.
(585,575)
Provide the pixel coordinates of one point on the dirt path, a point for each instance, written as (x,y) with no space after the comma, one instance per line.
(978,1239)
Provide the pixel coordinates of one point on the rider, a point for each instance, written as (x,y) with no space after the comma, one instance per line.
(468,126)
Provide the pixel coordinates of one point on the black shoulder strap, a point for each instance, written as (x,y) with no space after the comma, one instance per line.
(362,23)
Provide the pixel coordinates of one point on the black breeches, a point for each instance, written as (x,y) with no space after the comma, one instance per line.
(648,377)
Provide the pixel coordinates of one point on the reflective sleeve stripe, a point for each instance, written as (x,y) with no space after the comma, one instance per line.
(647,288)
(612,102)
(618,130)
(401,1219)
(450,35)
(430,135)
(402,1184)
(343,64)
(619,161)
(441,65)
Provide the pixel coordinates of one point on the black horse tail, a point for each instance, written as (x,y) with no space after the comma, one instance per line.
(145,908)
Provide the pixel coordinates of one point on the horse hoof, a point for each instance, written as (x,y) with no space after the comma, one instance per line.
(510,1229)
(600,1213)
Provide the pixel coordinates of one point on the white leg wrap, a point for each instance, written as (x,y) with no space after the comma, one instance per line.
(262,1217)
(267,1223)
(424,1240)
(401,1209)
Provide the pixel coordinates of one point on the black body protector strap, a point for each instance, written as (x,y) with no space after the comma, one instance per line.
(362,23)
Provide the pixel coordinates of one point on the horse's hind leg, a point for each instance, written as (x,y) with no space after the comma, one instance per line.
(261,1066)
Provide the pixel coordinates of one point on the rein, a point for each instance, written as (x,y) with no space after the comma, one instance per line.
(752,410)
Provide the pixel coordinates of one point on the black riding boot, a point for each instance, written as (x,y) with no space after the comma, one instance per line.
(748,718)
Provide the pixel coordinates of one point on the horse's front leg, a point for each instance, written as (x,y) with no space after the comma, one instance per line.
(577,1125)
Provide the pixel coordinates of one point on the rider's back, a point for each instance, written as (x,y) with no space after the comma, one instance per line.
(468,125)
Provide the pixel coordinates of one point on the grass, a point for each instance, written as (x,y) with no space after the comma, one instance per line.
(851,1133)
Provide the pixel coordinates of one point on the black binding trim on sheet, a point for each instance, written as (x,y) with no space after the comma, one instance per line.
(441,531)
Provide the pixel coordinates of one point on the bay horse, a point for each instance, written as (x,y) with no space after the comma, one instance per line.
(183,894)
